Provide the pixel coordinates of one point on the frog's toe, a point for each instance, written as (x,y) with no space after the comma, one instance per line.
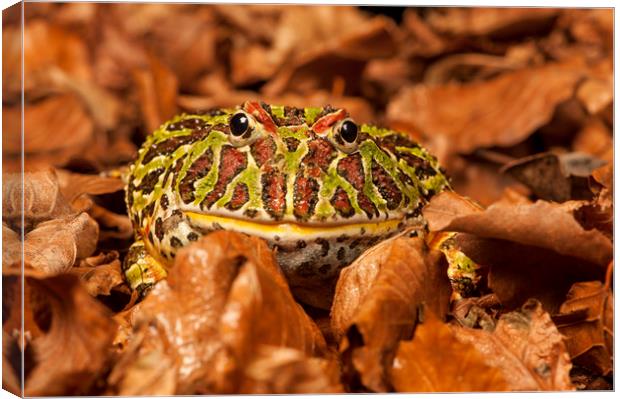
(141,270)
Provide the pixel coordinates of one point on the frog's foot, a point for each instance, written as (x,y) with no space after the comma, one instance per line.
(142,270)
(462,271)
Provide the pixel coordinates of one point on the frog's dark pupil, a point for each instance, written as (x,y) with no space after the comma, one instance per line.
(238,124)
(348,131)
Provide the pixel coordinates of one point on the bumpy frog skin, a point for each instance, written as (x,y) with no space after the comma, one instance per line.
(319,192)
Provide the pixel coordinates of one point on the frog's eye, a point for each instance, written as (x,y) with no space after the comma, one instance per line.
(345,135)
(241,128)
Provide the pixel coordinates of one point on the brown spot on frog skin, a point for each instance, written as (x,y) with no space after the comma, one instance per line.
(324,246)
(274,193)
(239,198)
(159,229)
(263,149)
(197,170)
(175,242)
(341,253)
(149,181)
(163,202)
(305,197)
(301,244)
(386,186)
(320,154)
(192,236)
(232,162)
(340,201)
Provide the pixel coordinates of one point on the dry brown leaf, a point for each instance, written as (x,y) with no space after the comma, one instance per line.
(41,196)
(280,370)
(342,58)
(595,139)
(436,361)
(72,185)
(45,46)
(527,347)
(298,31)
(586,322)
(542,224)
(100,274)
(57,126)
(54,246)
(555,177)
(112,225)
(75,349)
(479,21)
(157,89)
(11,365)
(143,369)
(377,302)
(11,247)
(499,112)
(224,298)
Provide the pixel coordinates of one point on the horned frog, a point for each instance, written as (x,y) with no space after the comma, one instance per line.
(317,186)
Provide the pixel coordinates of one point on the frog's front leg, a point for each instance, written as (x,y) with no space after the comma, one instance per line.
(141,269)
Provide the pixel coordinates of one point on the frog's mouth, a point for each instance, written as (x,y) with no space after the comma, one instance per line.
(291,230)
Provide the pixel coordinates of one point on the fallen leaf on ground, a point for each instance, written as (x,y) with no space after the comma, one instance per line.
(41,196)
(224,297)
(515,105)
(377,301)
(75,349)
(527,348)
(586,322)
(555,177)
(157,89)
(281,370)
(491,21)
(436,361)
(343,58)
(72,185)
(100,274)
(54,246)
(541,224)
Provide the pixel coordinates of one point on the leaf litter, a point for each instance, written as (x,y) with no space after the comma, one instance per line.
(516,103)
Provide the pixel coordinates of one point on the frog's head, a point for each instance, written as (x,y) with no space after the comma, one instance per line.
(308,166)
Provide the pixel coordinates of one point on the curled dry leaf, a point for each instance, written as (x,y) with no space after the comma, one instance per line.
(144,369)
(436,361)
(72,185)
(280,370)
(11,364)
(45,46)
(527,348)
(555,177)
(515,105)
(157,89)
(377,302)
(112,225)
(11,247)
(100,274)
(343,57)
(55,245)
(595,139)
(75,349)
(41,196)
(586,322)
(224,298)
(490,21)
(541,224)
(56,127)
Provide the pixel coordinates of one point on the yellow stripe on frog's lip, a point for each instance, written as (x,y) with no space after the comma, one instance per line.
(287,231)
